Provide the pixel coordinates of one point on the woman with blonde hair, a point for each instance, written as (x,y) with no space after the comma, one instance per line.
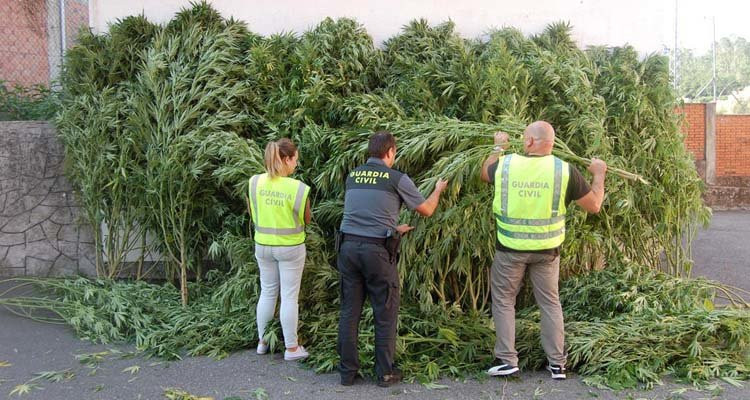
(279,209)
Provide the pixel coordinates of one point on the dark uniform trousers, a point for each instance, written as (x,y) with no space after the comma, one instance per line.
(366,270)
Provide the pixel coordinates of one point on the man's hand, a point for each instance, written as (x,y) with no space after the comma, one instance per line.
(597,167)
(592,201)
(501,139)
(441,185)
(428,206)
(403,228)
(501,143)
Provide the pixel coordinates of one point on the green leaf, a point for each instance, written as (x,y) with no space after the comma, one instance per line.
(435,386)
(24,389)
(56,376)
(732,381)
(134,369)
(260,394)
(449,335)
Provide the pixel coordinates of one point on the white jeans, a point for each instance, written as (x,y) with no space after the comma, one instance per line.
(280,268)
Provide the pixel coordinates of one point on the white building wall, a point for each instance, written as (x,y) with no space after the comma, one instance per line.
(646,24)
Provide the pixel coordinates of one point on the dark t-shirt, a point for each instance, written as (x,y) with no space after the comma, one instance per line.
(373,198)
(577,188)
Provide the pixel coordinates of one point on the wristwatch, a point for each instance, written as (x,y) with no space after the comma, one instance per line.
(497,149)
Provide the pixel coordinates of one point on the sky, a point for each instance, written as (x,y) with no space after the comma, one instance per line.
(694,22)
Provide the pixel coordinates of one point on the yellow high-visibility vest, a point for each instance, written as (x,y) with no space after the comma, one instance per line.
(278,209)
(529,203)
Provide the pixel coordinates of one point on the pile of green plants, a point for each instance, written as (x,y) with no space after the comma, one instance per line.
(163,125)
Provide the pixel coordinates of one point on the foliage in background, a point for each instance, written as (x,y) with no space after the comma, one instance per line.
(99,61)
(185,104)
(162,134)
(640,121)
(27,103)
(100,159)
(695,72)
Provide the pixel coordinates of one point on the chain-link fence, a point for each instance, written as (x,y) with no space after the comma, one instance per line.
(33,34)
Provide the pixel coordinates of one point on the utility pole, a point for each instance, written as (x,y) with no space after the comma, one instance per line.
(62,31)
(675,54)
(713,45)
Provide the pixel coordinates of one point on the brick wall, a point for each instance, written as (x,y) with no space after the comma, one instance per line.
(694,128)
(76,17)
(732,145)
(30,38)
(23,43)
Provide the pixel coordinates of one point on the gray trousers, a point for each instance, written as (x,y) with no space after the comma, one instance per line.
(506,279)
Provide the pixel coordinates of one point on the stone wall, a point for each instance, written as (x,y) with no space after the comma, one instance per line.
(39,220)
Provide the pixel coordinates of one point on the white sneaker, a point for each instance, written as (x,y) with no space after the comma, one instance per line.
(298,354)
(557,371)
(499,368)
(262,348)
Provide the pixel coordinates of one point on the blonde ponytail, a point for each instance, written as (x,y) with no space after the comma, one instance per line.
(276,152)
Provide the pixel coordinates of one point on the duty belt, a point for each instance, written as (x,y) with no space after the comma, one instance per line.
(366,239)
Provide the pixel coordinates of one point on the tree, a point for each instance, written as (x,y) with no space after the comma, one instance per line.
(696,71)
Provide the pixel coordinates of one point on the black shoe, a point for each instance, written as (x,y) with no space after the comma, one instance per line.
(500,368)
(390,379)
(557,371)
(348,380)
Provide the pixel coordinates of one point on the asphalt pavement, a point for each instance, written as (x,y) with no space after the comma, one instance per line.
(722,252)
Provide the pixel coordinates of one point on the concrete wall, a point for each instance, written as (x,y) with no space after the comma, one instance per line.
(647,25)
(39,232)
(32,32)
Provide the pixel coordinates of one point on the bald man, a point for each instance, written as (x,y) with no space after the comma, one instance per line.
(532,191)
